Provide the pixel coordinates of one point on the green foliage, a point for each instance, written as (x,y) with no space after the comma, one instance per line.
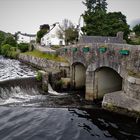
(8,45)
(39,76)
(100,23)
(95,23)
(45,27)
(23,47)
(135,41)
(2,37)
(9,51)
(136,29)
(10,40)
(43,30)
(71,35)
(13,54)
(116,22)
(95,5)
(68,32)
(48,56)
(55,47)
(5,49)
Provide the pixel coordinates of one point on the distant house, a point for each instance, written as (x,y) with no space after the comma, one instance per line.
(25,38)
(51,38)
(103,39)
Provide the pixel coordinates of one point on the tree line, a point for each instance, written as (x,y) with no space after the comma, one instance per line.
(98,22)
(9,46)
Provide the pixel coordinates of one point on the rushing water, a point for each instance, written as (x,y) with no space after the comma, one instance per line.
(26,114)
(11,69)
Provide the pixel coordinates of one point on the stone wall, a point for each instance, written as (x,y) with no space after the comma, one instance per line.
(103,39)
(53,71)
(103,54)
(44,64)
(132,87)
(122,58)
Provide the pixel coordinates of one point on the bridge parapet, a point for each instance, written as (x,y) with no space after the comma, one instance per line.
(120,57)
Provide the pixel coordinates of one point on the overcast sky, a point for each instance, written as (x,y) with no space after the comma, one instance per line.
(28,15)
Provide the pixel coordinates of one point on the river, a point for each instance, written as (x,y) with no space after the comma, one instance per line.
(26,114)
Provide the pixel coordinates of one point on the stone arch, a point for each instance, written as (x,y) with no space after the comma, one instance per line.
(107,80)
(101,80)
(78,75)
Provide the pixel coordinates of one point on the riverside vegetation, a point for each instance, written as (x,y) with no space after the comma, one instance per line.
(10,48)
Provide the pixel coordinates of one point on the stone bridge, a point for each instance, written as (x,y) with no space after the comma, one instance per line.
(104,68)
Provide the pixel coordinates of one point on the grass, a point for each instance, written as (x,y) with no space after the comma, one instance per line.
(48,56)
(55,47)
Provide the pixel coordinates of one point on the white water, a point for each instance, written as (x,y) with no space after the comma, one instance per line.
(16,95)
(51,91)
(13,69)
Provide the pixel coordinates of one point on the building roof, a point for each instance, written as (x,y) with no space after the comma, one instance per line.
(102,39)
(29,35)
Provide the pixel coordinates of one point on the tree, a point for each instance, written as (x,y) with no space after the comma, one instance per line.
(136,29)
(99,22)
(23,47)
(10,40)
(2,37)
(5,49)
(43,30)
(71,35)
(68,32)
(116,22)
(95,5)
(45,27)
(95,23)
(94,17)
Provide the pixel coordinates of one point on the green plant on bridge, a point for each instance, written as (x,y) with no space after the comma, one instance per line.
(39,76)
(65,49)
(74,49)
(124,52)
(103,49)
(86,49)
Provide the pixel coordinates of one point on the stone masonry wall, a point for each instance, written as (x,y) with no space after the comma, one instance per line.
(132,87)
(111,57)
(122,58)
(44,64)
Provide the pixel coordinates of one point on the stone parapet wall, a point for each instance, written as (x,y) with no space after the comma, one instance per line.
(112,56)
(132,87)
(46,65)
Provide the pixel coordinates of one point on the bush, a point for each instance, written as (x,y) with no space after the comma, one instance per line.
(23,47)
(13,54)
(10,40)
(5,49)
(39,76)
(9,51)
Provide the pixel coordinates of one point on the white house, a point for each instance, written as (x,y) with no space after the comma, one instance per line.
(51,38)
(25,38)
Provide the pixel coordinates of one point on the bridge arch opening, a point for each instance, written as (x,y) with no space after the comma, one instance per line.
(107,80)
(78,75)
